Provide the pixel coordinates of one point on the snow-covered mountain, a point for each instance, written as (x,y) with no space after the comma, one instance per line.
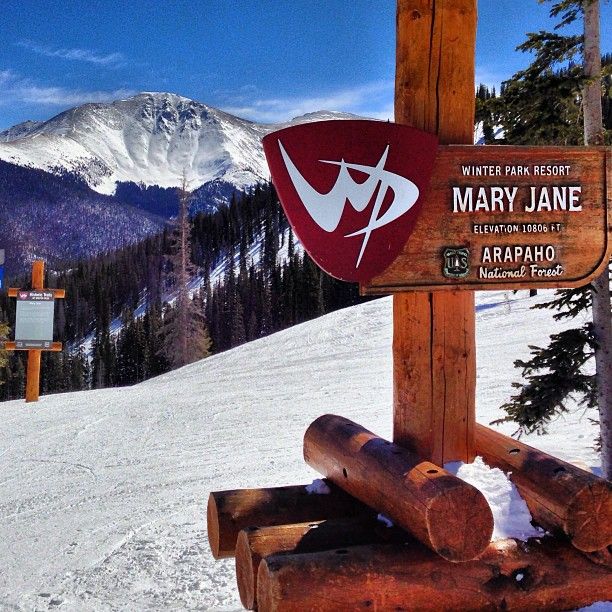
(111,169)
(149,139)
(103,493)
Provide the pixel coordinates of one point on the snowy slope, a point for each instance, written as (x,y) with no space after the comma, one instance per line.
(152,138)
(103,493)
(479,138)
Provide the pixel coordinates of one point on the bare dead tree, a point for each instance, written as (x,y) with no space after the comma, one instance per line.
(184,331)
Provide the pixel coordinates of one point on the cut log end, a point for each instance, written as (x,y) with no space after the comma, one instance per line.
(268,587)
(246,570)
(212,526)
(589,525)
(561,497)
(443,512)
(460,523)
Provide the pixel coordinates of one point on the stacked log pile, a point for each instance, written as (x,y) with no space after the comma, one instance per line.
(302,550)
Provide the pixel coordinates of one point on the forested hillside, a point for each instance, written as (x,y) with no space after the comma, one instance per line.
(253,281)
(58,216)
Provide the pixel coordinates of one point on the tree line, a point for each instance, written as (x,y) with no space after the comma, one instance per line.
(546,104)
(117,316)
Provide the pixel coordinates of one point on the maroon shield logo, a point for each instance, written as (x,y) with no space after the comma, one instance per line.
(352,190)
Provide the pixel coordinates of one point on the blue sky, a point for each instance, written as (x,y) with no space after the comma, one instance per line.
(266,60)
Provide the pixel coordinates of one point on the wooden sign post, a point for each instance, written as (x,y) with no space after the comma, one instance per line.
(494,218)
(434,345)
(412,208)
(34,354)
(387,206)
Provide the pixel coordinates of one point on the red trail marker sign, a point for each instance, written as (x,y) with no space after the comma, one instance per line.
(352,190)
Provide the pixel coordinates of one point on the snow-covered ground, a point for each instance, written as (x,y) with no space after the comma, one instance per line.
(103,493)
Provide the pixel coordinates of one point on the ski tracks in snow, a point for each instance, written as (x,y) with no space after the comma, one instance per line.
(103,493)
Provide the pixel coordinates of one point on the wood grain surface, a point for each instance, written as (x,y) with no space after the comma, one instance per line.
(582,244)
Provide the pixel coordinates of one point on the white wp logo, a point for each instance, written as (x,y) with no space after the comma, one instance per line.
(326,209)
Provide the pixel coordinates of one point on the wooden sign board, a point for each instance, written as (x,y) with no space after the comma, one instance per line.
(500,217)
(34,320)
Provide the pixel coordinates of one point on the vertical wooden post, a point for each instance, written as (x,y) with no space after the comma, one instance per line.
(434,347)
(33,371)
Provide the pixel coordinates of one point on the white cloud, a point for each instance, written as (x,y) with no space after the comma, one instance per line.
(17,89)
(371,100)
(113,60)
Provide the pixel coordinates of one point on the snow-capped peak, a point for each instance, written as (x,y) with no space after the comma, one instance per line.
(153,138)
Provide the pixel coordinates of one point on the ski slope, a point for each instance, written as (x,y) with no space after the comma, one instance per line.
(103,493)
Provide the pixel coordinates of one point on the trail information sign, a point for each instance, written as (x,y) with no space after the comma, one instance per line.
(381,204)
(34,325)
(34,320)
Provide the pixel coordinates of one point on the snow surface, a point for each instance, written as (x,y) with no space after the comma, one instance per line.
(479,138)
(103,493)
(511,516)
(318,487)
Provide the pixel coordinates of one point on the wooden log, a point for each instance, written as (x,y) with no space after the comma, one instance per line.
(443,512)
(601,557)
(57,293)
(255,543)
(561,497)
(434,340)
(55,347)
(231,511)
(510,575)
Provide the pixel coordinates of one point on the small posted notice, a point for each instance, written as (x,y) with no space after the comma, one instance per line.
(34,320)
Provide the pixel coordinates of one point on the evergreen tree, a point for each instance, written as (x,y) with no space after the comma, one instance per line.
(594,134)
(554,374)
(237,330)
(4,358)
(79,371)
(548,108)
(184,330)
(152,324)
(485,105)
(13,386)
